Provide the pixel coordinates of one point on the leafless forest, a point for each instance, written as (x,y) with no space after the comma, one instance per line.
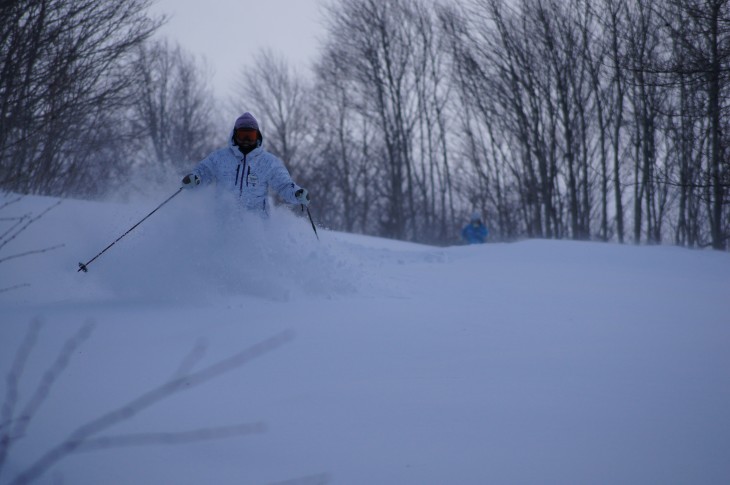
(567,119)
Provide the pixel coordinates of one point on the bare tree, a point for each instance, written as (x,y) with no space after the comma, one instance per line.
(174,110)
(62,75)
(341,166)
(471,36)
(277,95)
(378,41)
(434,184)
(613,15)
(383,67)
(699,58)
(505,80)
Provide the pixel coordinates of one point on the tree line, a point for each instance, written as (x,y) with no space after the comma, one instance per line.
(87,96)
(580,119)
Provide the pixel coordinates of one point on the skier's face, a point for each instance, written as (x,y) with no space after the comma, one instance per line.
(245,137)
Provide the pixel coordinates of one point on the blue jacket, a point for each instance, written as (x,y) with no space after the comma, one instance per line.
(474,233)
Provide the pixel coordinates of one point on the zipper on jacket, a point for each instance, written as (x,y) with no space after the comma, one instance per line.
(243,172)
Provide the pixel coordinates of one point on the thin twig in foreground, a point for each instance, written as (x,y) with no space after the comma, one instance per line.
(14,287)
(172,438)
(85,432)
(35,251)
(30,221)
(13,380)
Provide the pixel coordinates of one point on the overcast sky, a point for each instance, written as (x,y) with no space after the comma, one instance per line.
(229,32)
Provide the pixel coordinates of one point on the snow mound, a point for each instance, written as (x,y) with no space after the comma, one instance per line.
(194,248)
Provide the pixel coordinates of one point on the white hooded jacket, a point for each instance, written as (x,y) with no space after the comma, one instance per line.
(247,176)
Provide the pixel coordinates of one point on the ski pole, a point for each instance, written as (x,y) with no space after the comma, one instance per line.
(83,267)
(311,221)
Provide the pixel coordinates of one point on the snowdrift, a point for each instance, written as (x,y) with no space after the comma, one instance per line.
(391,363)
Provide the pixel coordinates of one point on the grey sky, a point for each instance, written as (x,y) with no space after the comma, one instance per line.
(228,32)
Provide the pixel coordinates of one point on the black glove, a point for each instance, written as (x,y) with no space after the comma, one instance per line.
(302,196)
(190,181)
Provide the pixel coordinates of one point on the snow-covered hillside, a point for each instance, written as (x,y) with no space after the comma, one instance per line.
(383,362)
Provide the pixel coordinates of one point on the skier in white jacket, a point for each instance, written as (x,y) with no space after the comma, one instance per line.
(245,169)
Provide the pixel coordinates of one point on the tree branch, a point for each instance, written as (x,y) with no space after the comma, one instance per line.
(27,253)
(82,435)
(13,379)
(172,438)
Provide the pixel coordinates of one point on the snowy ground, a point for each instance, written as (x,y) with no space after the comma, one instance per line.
(538,362)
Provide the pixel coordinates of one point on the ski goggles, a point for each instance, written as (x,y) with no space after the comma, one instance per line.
(246,134)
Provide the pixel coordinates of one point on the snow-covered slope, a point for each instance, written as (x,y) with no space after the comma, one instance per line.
(391,363)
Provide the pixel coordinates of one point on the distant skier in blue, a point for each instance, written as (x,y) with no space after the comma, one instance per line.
(475,232)
(245,169)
